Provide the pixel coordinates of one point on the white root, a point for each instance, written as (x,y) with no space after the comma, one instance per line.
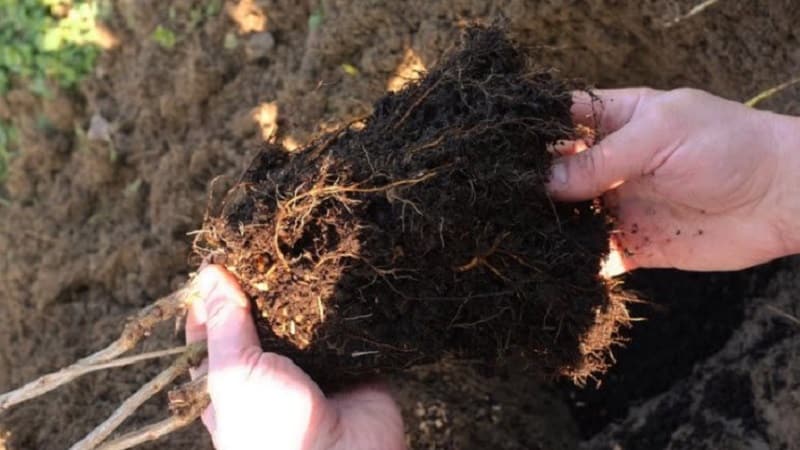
(129,360)
(187,402)
(137,328)
(191,357)
(156,430)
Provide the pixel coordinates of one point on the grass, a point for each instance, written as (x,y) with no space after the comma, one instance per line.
(43,40)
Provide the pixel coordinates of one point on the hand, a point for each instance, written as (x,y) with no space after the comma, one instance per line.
(695,182)
(262,400)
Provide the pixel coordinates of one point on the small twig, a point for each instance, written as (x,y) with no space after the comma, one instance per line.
(416,103)
(191,357)
(135,330)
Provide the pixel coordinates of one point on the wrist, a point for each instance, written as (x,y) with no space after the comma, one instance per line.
(787,183)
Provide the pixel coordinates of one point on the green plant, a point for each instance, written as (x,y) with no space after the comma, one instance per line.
(46,39)
(164,37)
(43,42)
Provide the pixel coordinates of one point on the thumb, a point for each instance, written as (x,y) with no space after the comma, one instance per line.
(229,327)
(620,156)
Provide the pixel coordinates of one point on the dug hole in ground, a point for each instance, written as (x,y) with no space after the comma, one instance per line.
(88,239)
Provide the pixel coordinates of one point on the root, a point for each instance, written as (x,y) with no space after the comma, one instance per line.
(416,104)
(332,190)
(183,398)
(697,9)
(156,430)
(76,371)
(318,193)
(191,357)
(137,328)
(483,260)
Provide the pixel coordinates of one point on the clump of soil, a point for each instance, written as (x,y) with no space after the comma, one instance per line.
(426,231)
(86,239)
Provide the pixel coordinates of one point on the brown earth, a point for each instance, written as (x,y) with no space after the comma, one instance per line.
(98,216)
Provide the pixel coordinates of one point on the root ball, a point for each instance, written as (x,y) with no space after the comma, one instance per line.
(426,232)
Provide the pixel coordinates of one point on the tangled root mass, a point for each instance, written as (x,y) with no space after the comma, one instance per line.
(425,231)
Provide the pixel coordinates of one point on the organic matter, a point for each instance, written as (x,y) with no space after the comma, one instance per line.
(425,231)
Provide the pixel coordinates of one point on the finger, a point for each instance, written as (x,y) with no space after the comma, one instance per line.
(209,419)
(606,110)
(622,155)
(229,327)
(200,370)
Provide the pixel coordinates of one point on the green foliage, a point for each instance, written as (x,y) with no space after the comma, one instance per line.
(350,69)
(46,39)
(164,37)
(42,41)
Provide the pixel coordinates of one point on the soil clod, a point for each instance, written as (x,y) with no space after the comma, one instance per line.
(426,231)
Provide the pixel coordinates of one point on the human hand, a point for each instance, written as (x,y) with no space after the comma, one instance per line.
(695,182)
(261,400)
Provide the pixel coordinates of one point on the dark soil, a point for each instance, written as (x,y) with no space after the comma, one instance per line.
(688,317)
(87,238)
(426,231)
(740,395)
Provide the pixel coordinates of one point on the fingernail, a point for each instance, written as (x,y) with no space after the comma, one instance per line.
(558,175)
(214,281)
